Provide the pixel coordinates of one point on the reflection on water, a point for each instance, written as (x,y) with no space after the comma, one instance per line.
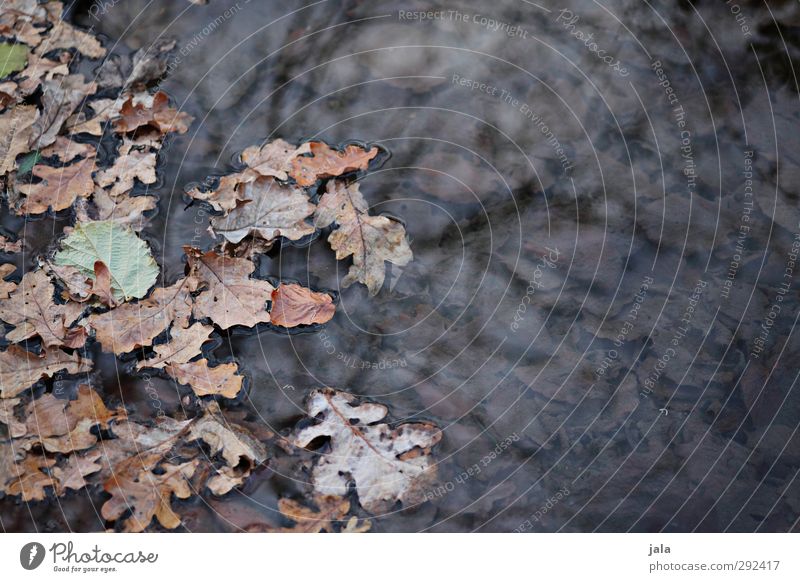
(601,201)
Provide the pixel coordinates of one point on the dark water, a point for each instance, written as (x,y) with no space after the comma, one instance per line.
(603,233)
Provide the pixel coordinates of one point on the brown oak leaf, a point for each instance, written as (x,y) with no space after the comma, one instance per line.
(64,35)
(371,240)
(274,159)
(267,209)
(21,369)
(16,129)
(135,486)
(135,325)
(60,97)
(222,380)
(132,164)
(330,513)
(32,311)
(230,297)
(159,115)
(327,162)
(59,187)
(6,287)
(184,345)
(294,305)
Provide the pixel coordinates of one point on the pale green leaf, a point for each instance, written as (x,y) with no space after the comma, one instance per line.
(128,258)
(13,58)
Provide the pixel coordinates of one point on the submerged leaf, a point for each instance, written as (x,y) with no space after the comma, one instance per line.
(132,268)
(387,464)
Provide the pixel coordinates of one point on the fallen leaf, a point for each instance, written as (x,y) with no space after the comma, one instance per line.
(16,129)
(327,162)
(184,345)
(135,487)
(20,369)
(30,79)
(148,64)
(122,210)
(237,447)
(32,310)
(64,35)
(230,297)
(387,464)
(269,210)
(6,246)
(294,305)
(135,325)
(67,150)
(273,159)
(6,287)
(63,426)
(222,380)
(133,269)
(73,473)
(60,97)
(159,116)
(59,187)
(132,164)
(330,511)
(371,240)
(12,58)
(28,480)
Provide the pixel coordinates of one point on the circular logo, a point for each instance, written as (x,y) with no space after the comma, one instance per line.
(31,555)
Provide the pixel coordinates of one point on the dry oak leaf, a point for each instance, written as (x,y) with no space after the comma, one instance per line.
(134,486)
(26,477)
(60,97)
(6,287)
(31,77)
(222,380)
(237,447)
(6,246)
(132,164)
(63,35)
(273,159)
(294,305)
(123,210)
(67,150)
(135,325)
(72,475)
(21,369)
(371,240)
(184,344)
(16,129)
(267,209)
(59,188)
(230,297)
(62,426)
(387,464)
(327,162)
(32,311)
(228,194)
(14,426)
(330,511)
(159,115)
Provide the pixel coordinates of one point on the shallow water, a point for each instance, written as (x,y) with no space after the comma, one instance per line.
(582,313)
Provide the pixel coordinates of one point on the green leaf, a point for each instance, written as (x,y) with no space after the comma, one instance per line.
(26,164)
(128,258)
(13,58)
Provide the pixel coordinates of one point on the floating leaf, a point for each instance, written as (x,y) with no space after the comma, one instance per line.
(327,162)
(20,369)
(294,305)
(371,240)
(12,58)
(131,266)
